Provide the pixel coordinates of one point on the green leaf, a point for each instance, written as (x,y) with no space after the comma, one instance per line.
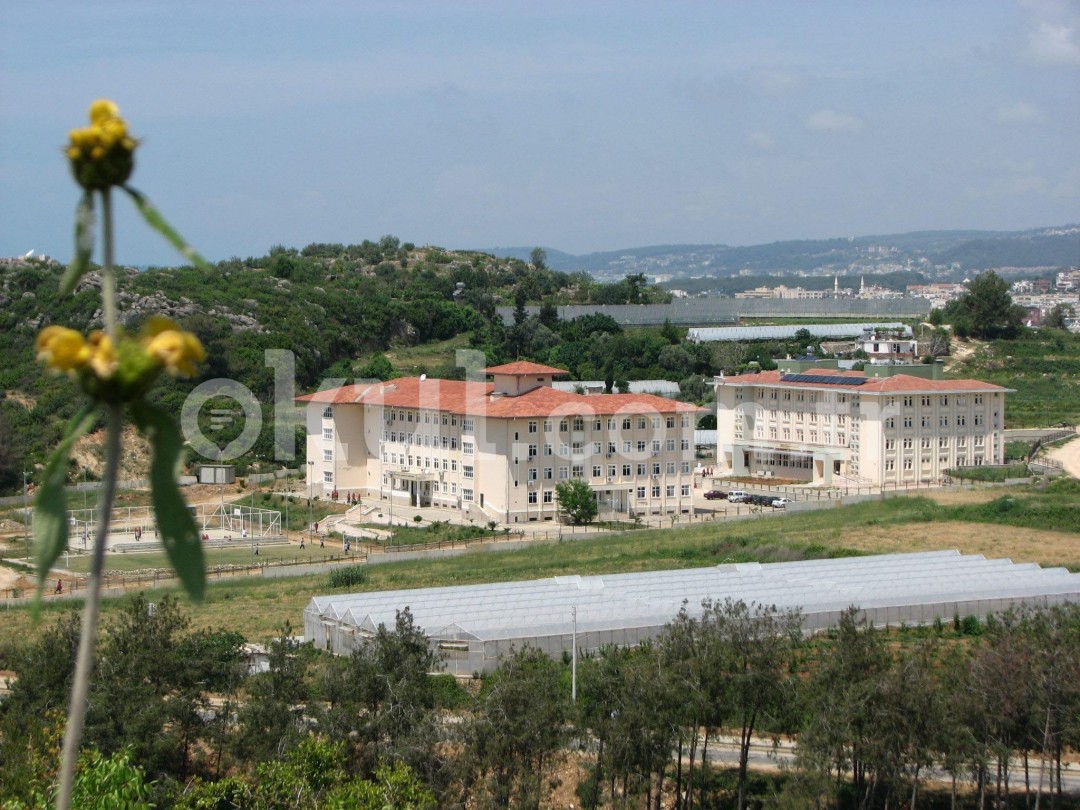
(175,522)
(156,221)
(84,244)
(50,506)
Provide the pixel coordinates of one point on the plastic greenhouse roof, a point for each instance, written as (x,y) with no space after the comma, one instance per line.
(534,608)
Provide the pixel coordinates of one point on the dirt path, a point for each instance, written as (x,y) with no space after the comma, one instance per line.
(1069,456)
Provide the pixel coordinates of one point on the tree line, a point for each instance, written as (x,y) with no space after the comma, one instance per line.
(175,719)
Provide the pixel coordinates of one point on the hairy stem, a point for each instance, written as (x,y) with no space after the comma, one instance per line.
(108,275)
(84,661)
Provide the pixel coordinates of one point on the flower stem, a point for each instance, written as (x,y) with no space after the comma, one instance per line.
(108,275)
(84,661)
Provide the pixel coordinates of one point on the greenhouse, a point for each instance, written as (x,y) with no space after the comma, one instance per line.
(472,626)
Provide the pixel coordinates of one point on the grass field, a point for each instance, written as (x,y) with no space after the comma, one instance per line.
(1024,524)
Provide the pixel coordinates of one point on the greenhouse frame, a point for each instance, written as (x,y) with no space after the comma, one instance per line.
(473,626)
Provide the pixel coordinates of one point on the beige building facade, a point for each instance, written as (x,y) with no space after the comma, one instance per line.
(841,427)
(496,450)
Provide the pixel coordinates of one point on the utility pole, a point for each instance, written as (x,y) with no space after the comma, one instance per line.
(311,472)
(26,514)
(573,658)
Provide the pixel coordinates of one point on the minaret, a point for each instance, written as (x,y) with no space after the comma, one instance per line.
(836,286)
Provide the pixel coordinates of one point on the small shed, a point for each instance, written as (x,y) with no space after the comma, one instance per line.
(217,474)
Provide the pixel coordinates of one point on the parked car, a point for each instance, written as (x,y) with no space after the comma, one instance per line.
(715,495)
(761,500)
(738,496)
(780,503)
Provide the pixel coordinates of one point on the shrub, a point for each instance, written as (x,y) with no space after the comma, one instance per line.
(348,577)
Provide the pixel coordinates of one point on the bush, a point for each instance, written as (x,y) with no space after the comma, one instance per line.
(348,577)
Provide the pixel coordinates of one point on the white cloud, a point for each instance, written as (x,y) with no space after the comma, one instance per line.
(1056,43)
(833,121)
(1020,112)
(1052,31)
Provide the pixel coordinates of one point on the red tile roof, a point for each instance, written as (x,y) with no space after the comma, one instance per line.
(524,367)
(898,383)
(474,398)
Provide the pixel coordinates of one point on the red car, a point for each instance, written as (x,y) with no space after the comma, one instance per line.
(715,495)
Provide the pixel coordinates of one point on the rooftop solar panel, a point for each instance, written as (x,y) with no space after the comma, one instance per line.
(824,379)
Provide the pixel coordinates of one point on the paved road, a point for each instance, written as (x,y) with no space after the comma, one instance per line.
(725,751)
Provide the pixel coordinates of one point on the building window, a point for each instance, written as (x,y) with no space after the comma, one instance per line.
(532,496)
(597,471)
(547,496)
(564,473)
(327,455)
(684,467)
(564,426)
(641,493)
(328,412)
(328,434)
(577,471)
(532,427)
(890,444)
(532,451)
(548,473)
(626,423)
(466,425)
(596,447)
(641,469)
(907,444)
(532,473)
(467,448)
(328,477)
(656,468)
(612,470)
(626,470)
(684,490)
(670,490)
(466,494)
(453,465)
(671,468)
(890,423)
(547,450)
(656,490)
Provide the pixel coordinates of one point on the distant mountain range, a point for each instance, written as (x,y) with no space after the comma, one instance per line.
(935,253)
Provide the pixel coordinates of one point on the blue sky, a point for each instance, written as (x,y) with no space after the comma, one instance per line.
(579,126)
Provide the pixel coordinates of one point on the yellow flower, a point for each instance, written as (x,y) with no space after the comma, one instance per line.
(62,349)
(103,359)
(102,110)
(102,154)
(178,351)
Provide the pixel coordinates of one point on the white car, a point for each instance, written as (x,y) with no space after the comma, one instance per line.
(780,503)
